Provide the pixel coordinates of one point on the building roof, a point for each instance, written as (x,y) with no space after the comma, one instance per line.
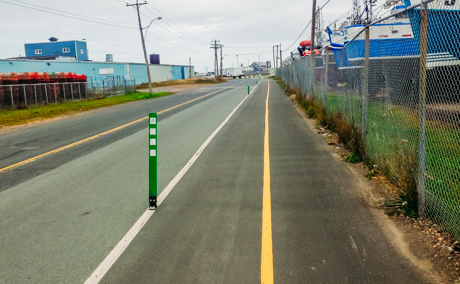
(56,41)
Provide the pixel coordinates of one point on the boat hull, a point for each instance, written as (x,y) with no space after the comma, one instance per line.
(443,41)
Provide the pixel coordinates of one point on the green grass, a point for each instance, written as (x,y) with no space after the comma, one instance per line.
(23,116)
(393,144)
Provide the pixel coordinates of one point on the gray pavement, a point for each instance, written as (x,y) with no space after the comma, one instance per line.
(59,225)
(29,142)
(209,229)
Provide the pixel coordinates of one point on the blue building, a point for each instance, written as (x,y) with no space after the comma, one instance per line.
(74,50)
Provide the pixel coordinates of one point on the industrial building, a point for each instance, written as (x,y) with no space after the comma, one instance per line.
(259,66)
(73,50)
(99,71)
(54,57)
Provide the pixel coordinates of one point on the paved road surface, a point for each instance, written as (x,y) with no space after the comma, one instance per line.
(63,214)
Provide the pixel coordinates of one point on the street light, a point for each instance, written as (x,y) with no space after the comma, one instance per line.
(237,61)
(143,45)
(147,28)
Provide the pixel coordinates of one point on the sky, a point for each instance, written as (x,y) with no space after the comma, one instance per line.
(245,28)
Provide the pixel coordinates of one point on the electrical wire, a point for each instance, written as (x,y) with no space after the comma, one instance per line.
(169,30)
(189,37)
(166,22)
(67,16)
(250,53)
(174,45)
(298,36)
(319,10)
(176,24)
(83,16)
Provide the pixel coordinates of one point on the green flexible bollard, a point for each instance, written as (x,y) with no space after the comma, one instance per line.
(248,87)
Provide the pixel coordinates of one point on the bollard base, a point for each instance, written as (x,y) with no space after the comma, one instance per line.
(152,202)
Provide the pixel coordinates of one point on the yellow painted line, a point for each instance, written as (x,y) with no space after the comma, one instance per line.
(103,133)
(266,267)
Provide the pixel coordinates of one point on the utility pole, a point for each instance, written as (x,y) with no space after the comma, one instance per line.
(277,55)
(281,57)
(274,63)
(216,61)
(143,42)
(312,48)
(237,66)
(190,67)
(221,62)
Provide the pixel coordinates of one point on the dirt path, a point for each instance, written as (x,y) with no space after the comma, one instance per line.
(176,88)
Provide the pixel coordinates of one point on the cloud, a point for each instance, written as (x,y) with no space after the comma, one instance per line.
(238,23)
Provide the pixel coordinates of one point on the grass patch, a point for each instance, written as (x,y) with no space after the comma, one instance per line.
(280,82)
(23,116)
(217,80)
(392,143)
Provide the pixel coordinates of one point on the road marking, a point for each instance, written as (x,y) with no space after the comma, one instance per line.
(266,266)
(107,263)
(103,133)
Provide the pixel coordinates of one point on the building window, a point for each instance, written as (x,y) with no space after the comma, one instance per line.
(38,51)
(66,50)
(81,51)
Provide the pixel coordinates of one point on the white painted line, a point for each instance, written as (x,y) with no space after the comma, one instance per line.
(107,263)
(153,131)
(153,142)
(153,153)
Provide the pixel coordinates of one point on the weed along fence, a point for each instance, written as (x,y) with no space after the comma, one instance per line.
(398,107)
(27,89)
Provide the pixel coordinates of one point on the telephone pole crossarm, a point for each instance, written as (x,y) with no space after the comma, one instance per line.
(143,41)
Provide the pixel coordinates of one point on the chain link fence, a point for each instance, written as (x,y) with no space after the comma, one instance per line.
(25,95)
(397,81)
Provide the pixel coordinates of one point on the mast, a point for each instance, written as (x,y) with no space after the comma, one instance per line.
(356,12)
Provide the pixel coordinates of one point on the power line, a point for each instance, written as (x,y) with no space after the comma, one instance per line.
(67,16)
(298,36)
(248,53)
(174,45)
(170,31)
(175,23)
(306,27)
(60,11)
(190,38)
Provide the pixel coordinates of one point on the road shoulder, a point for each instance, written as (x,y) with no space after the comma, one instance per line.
(406,241)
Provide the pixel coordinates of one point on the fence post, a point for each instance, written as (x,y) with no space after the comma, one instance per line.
(103,88)
(326,79)
(25,99)
(12,97)
(55,93)
(365,96)
(124,85)
(422,109)
(46,95)
(65,99)
(71,90)
(35,92)
(79,90)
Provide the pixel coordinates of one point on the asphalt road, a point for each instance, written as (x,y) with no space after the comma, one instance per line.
(61,215)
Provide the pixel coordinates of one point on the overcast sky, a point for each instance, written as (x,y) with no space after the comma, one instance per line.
(248,28)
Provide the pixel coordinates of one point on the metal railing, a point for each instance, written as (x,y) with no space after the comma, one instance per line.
(404,100)
(25,95)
